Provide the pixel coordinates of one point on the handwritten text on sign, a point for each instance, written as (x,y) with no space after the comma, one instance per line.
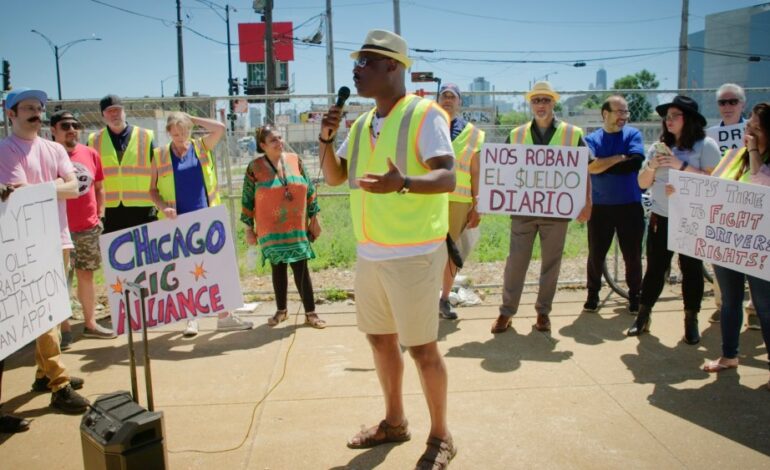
(187,264)
(721,221)
(727,137)
(532,180)
(33,286)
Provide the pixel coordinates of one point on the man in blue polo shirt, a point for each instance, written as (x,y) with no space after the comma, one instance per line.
(618,152)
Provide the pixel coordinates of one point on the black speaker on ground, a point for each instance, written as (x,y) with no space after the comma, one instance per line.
(116,433)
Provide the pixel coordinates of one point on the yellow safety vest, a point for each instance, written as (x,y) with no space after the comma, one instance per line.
(732,166)
(394,219)
(566,135)
(166,185)
(465,145)
(127,181)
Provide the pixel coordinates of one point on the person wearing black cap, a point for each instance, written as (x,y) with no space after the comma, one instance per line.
(126,153)
(683,146)
(84,215)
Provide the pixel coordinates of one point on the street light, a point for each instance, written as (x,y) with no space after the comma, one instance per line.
(58,52)
(164,81)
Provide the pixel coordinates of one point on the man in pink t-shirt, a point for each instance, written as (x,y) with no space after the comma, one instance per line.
(84,216)
(25,158)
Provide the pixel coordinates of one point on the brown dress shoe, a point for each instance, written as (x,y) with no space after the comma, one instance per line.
(543,323)
(501,324)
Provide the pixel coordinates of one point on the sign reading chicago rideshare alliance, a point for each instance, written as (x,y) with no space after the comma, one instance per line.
(33,286)
(188,265)
(721,221)
(539,180)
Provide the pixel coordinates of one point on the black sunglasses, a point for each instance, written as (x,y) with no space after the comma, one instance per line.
(65,126)
(731,102)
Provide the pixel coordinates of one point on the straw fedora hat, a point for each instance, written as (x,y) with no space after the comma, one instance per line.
(542,88)
(385,43)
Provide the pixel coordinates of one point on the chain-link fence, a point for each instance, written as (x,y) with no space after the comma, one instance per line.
(298,117)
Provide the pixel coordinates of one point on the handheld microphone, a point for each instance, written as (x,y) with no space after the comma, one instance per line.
(342,95)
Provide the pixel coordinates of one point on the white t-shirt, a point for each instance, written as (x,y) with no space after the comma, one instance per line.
(434,141)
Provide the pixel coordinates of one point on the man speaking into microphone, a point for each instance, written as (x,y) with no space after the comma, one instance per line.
(398,162)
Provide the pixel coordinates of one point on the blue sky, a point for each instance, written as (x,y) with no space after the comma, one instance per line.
(136,53)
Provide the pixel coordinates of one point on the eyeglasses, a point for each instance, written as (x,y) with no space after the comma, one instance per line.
(65,126)
(541,100)
(673,117)
(731,102)
(32,109)
(362,61)
(620,112)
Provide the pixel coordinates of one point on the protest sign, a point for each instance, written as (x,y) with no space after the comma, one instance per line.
(727,137)
(539,180)
(188,265)
(720,221)
(33,285)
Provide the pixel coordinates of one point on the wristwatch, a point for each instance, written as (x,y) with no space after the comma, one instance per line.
(405,188)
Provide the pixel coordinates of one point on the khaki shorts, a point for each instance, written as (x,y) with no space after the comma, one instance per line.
(86,255)
(400,296)
(458,218)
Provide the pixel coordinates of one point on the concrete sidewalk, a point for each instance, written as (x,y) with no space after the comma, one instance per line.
(584,397)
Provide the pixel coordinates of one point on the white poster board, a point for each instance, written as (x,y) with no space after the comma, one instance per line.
(33,284)
(727,137)
(534,180)
(720,221)
(187,264)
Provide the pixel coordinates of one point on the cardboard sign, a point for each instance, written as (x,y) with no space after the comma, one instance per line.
(727,137)
(721,221)
(533,180)
(33,284)
(188,264)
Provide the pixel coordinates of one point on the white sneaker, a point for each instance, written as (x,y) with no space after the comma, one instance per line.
(233,322)
(191,330)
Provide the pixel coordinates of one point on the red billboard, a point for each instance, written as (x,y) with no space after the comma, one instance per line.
(251,41)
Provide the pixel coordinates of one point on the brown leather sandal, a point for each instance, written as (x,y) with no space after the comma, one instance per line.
(313,320)
(437,455)
(380,434)
(278,317)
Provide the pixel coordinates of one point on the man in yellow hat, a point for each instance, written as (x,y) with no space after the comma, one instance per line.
(544,129)
(398,162)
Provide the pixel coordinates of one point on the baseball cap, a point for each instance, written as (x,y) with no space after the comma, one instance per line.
(449,87)
(20,94)
(110,100)
(62,115)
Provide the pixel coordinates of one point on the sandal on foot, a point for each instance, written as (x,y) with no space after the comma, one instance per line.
(437,455)
(313,320)
(716,366)
(278,317)
(380,434)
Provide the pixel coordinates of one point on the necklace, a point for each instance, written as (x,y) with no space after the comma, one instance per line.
(284,181)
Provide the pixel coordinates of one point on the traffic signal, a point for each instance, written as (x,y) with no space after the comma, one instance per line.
(6,75)
(233,86)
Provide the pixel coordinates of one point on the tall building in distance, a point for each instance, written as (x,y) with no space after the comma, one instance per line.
(479,101)
(601,79)
(711,61)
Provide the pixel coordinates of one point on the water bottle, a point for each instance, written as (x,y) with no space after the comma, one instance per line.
(251,258)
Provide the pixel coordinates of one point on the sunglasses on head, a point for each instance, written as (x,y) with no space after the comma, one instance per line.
(731,102)
(65,126)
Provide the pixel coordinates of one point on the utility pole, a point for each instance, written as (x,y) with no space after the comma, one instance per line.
(269,63)
(396,17)
(230,87)
(179,49)
(683,46)
(329,53)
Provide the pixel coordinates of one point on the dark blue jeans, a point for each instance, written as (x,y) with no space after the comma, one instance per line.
(732,285)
